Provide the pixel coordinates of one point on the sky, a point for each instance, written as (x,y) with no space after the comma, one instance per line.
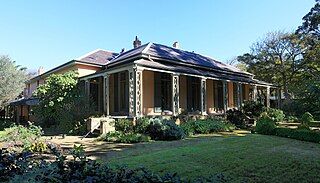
(49,33)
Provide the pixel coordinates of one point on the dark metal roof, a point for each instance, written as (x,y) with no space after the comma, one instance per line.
(195,71)
(24,101)
(99,57)
(163,53)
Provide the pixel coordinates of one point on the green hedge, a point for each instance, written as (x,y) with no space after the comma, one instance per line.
(314,124)
(299,134)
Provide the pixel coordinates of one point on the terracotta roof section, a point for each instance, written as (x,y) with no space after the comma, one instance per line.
(98,57)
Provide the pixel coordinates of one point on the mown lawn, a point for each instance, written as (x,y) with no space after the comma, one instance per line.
(251,158)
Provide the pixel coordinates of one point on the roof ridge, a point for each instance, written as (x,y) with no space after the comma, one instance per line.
(91,52)
(147,47)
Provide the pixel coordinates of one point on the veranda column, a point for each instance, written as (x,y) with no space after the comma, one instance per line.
(106,102)
(87,87)
(225,95)
(239,85)
(268,96)
(255,93)
(135,92)
(203,97)
(175,94)
(131,93)
(138,92)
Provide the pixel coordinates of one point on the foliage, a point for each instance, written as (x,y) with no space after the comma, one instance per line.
(237,118)
(124,125)
(60,98)
(307,118)
(266,126)
(21,136)
(203,127)
(276,115)
(253,109)
(12,80)
(38,147)
(12,164)
(17,168)
(130,137)
(292,119)
(141,125)
(164,130)
(299,134)
(276,59)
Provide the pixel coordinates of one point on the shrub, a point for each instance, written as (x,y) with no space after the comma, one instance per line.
(188,128)
(17,168)
(253,109)
(299,134)
(164,130)
(265,126)
(124,125)
(38,147)
(307,118)
(203,127)
(237,118)
(276,115)
(292,119)
(141,125)
(21,136)
(121,137)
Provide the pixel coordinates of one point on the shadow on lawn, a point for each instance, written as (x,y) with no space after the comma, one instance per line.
(105,150)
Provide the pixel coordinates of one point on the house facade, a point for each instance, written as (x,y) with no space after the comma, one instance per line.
(154,79)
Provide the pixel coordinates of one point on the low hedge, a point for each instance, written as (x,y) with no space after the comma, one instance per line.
(299,134)
(314,124)
(203,127)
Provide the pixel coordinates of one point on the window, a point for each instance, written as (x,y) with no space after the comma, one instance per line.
(243,87)
(193,94)
(218,95)
(235,94)
(162,92)
(121,92)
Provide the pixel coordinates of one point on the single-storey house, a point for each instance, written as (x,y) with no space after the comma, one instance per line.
(153,79)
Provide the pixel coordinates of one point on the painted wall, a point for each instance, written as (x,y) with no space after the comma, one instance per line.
(230,95)
(183,93)
(82,69)
(148,93)
(210,96)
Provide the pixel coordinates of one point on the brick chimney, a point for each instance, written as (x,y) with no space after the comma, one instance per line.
(41,70)
(176,45)
(136,42)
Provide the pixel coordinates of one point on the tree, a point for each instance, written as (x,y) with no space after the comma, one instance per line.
(277,59)
(12,79)
(62,102)
(311,21)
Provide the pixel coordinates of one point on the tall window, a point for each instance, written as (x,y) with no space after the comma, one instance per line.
(235,94)
(194,94)
(243,87)
(162,92)
(121,92)
(218,95)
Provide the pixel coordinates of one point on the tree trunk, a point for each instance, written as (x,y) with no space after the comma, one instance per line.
(285,87)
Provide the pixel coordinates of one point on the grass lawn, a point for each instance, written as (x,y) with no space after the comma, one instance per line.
(251,158)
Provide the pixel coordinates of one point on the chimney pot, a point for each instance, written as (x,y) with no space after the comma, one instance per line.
(176,45)
(41,70)
(136,42)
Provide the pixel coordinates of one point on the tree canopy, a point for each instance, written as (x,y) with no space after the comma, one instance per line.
(12,79)
(291,60)
(62,102)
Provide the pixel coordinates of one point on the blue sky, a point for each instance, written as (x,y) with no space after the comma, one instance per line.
(50,33)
